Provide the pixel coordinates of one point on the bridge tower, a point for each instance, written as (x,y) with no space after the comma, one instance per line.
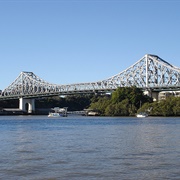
(24,103)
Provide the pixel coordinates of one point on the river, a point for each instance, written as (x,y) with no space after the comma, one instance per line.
(98,148)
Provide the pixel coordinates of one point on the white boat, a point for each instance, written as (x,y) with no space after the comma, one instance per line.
(54,115)
(58,112)
(92,113)
(142,115)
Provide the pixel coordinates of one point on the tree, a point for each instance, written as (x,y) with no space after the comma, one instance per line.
(124,101)
(168,107)
(176,107)
(100,105)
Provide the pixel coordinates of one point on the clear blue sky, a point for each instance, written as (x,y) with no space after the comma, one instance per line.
(74,41)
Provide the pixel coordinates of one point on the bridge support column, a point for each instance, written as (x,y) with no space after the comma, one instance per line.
(155,96)
(27,105)
(152,94)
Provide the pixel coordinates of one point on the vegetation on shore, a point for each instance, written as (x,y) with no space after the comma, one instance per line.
(125,101)
(168,107)
(73,102)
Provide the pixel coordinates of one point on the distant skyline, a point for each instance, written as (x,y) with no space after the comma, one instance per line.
(68,41)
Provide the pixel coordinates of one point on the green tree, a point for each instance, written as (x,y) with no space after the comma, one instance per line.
(124,101)
(176,107)
(100,105)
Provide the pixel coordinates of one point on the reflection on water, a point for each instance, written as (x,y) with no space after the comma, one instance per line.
(35,147)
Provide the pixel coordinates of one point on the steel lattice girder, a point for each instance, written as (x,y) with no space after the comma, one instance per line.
(149,72)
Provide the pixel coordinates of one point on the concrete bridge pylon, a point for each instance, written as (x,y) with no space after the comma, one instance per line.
(27,105)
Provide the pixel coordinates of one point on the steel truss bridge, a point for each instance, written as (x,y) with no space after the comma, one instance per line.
(150,72)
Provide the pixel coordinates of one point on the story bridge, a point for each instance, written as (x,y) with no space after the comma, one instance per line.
(151,73)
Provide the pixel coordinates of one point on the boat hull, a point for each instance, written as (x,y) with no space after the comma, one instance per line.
(54,115)
(142,115)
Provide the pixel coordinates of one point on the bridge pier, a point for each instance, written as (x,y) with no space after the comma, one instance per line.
(27,105)
(152,94)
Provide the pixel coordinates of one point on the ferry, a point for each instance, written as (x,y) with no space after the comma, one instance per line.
(58,112)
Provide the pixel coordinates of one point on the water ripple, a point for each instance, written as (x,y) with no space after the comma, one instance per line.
(80,148)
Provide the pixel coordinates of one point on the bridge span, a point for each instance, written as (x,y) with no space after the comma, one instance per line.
(151,73)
